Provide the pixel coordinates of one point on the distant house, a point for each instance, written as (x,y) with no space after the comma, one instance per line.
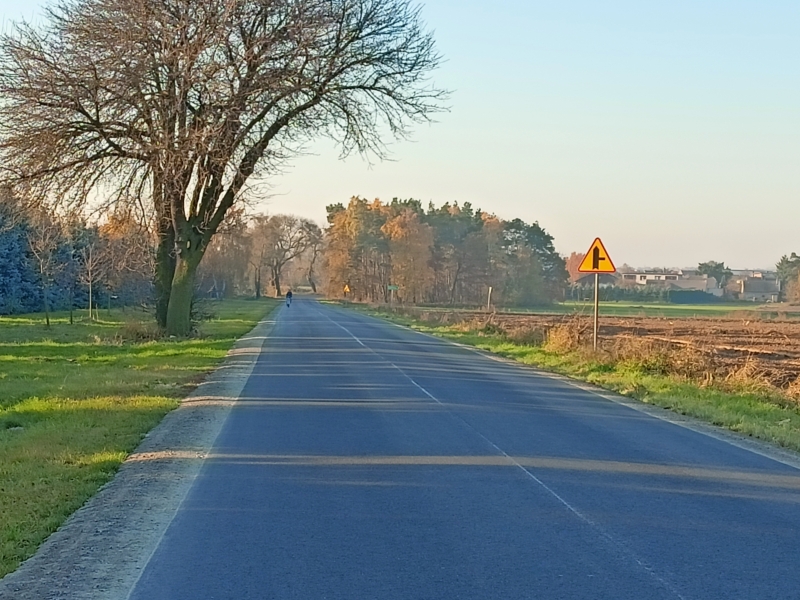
(755,286)
(675,280)
(700,283)
(650,277)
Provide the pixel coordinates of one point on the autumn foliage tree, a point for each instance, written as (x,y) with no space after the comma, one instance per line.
(410,244)
(573,262)
(449,254)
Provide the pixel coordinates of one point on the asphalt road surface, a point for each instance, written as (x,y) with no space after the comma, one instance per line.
(365,461)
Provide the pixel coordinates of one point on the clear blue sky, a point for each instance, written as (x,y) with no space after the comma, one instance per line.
(670,129)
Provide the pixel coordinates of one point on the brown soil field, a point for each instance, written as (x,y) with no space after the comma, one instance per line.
(766,349)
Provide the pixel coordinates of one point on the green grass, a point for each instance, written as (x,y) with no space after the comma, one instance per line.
(75,400)
(757,412)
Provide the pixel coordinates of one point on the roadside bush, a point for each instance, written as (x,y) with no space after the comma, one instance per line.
(447,318)
(202,309)
(528,336)
(749,377)
(650,356)
(480,326)
(425,316)
(139,331)
(793,389)
(693,363)
(659,357)
(567,336)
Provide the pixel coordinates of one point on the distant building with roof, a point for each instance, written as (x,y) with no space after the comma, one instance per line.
(673,280)
(755,286)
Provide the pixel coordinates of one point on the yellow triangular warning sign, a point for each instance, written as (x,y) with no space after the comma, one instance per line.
(597,260)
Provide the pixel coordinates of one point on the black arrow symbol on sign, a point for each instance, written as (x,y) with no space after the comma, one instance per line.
(596,258)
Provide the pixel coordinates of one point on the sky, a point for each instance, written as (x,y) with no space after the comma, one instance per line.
(669,129)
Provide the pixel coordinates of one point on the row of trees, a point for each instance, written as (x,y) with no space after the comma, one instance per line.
(448,254)
(56,262)
(50,262)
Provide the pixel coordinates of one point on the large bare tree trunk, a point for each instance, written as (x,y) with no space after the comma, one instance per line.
(165,273)
(179,309)
(165,251)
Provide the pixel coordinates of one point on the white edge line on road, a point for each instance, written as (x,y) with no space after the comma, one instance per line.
(343,328)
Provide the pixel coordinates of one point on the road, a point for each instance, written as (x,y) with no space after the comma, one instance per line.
(365,461)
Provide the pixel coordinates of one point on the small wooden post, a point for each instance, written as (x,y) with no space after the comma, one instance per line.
(489,300)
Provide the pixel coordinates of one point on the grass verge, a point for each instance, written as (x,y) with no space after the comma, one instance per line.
(746,407)
(75,400)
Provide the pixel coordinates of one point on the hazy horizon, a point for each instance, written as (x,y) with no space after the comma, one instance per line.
(670,131)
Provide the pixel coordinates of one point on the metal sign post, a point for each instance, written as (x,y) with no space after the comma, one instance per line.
(596,308)
(596,261)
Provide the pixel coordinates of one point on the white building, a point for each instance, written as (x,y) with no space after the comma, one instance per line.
(675,280)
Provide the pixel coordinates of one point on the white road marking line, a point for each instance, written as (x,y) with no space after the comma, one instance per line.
(343,328)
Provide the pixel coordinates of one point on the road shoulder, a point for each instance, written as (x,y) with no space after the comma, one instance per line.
(102,549)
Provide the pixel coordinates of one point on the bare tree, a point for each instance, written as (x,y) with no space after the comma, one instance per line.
(225,266)
(128,255)
(261,244)
(276,241)
(292,237)
(45,236)
(93,263)
(182,102)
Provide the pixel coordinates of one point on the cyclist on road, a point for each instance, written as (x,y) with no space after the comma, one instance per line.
(289,298)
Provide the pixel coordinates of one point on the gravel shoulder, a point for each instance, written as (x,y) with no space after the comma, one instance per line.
(101,550)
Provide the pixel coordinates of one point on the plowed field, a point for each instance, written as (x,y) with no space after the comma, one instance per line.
(767,348)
